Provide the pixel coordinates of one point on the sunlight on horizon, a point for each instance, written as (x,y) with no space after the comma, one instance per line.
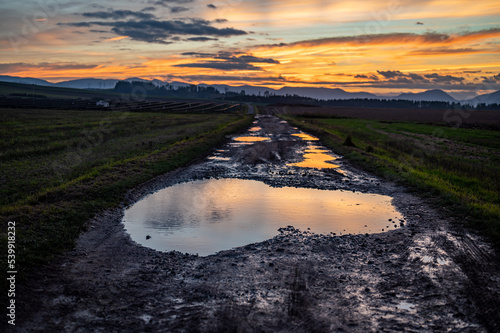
(377,46)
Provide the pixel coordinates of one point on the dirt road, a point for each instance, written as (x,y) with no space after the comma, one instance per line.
(428,276)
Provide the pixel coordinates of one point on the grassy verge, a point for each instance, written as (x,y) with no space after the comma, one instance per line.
(459,168)
(60,168)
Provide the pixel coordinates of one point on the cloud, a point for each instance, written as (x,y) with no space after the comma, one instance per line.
(233,57)
(227,66)
(221,20)
(491,79)
(119,14)
(444,51)
(201,39)
(227,61)
(178,9)
(212,6)
(397,38)
(198,54)
(391,38)
(444,78)
(390,74)
(162,32)
(410,78)
(166,3)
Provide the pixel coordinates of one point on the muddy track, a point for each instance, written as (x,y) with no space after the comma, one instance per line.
(429,276)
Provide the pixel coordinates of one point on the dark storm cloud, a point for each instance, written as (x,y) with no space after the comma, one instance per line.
(163,32)
(119,14)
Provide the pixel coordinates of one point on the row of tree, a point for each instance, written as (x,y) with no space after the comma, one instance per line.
(201,92)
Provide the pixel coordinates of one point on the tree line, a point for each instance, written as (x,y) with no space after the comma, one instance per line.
(201,92)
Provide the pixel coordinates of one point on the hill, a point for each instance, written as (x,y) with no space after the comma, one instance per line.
(427,96)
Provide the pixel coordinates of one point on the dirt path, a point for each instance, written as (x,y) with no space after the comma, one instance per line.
(428,276)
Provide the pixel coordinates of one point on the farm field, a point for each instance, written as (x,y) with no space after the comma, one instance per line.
(296,279)
(451,117)
(459,167)
(60,167)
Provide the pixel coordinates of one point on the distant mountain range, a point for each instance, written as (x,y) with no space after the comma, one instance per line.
(317,93)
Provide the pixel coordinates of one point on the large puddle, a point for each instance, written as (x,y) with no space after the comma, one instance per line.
(208,216)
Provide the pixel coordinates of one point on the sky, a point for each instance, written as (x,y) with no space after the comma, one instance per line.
(378,46)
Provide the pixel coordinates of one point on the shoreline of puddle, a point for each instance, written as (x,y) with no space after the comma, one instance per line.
(312,158)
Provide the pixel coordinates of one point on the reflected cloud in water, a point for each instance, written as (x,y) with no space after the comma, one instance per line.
(208,216)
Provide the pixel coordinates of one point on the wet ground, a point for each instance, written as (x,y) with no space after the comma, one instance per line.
(429,275)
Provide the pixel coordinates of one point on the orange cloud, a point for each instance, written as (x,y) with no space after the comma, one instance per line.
(393,39)
(115,38)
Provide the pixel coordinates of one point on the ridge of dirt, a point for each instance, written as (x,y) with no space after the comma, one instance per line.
(431,275)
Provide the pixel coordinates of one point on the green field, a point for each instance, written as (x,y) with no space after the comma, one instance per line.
(458,168)
(60,168)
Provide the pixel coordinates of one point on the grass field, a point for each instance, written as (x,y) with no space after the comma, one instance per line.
(460,168)
(60,168)
(454,117)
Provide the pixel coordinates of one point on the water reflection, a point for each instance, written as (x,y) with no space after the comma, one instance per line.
(306,137)
(316,157)
(207,216)
(317,161)
(251,138)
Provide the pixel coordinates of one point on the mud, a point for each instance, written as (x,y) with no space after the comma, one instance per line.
(431,275)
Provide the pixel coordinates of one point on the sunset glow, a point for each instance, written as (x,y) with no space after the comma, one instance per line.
(377,46)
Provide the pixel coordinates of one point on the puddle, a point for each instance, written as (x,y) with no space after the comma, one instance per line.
(316,149)
(251,139)
(207,216)
(316,161)
(219,158)
(316,157)
(306,137)
(255,129)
